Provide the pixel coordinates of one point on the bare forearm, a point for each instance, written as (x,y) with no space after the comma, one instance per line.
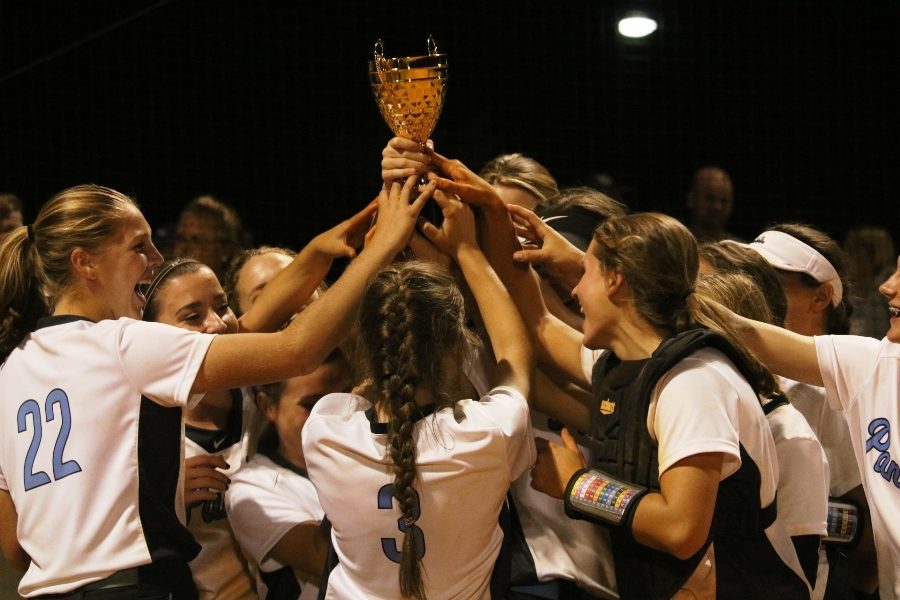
(288,291)
(252,358)
(786,353)
(504,325)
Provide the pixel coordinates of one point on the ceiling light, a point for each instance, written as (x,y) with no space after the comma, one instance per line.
(637,27)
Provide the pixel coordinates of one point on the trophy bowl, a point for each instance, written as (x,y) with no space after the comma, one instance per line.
(409,90)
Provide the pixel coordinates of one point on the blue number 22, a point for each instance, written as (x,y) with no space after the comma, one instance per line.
(389,545)
(61,468)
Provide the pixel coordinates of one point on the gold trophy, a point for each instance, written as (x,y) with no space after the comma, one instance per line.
(410,90)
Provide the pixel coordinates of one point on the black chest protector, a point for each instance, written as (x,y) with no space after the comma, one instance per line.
(624,448)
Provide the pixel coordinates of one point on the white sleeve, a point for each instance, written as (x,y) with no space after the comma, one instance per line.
(846,363)
(162,361)
(264,504)
(515,423)
(692,414)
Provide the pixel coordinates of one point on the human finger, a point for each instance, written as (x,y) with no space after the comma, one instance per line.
(570,443)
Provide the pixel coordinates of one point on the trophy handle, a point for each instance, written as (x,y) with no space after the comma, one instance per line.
(432,46)
(379,56)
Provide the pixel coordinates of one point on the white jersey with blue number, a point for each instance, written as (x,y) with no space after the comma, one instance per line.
(265,501)
(862,380)
(465,468)
(91,449)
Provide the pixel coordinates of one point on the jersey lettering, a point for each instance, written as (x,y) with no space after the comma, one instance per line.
(389,545)
(61,468)
(880,440)
(32,479)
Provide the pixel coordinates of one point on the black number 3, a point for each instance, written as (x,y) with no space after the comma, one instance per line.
(389,545)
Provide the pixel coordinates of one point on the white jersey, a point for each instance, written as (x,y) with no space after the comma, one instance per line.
(862,379)
(704,405)
(464,467)
(803,473)
(264,501)
(220,570)
(831,429)
(92,450)
(562,548)
(803,480)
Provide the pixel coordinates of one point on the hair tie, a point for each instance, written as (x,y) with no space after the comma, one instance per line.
(30,230)
(686,294)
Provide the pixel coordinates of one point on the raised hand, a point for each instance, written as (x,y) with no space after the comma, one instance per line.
(396,215)
(458,179)
(558,257)
(458,228)
(346,237)
(556,463)
(402,158)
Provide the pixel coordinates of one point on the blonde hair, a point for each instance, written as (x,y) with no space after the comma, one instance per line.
(518,170)
(35,260)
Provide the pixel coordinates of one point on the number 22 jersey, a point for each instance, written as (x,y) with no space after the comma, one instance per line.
(92,448)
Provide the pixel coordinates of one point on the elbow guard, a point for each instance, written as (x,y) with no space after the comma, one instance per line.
(594,495)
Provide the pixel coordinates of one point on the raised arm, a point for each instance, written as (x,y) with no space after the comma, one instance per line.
(253,358)
(557,344)
(506,331)
(289,291)
(786,353)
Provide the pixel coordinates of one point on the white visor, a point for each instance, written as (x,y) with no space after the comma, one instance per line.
(787,253)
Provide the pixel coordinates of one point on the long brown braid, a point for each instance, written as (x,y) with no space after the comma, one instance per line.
(411,319)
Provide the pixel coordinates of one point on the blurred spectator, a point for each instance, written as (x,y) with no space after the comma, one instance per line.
(210,232)
(709,204)
(870,260)
(10,214)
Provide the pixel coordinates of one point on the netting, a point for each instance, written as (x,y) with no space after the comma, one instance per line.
(268,106)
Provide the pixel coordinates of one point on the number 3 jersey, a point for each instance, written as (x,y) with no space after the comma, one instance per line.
(465,466)
(92,447)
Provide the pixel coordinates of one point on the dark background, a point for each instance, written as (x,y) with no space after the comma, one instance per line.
(267,104)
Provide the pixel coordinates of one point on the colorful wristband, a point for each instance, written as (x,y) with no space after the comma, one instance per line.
(844,523)
(597,496)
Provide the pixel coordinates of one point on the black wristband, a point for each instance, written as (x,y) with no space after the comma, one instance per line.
(594,495)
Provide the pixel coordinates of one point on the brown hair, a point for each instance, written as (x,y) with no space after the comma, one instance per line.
(412,317)
(166,272)
(837,320)
(659,259)
(737,292)
(518,170)
(35,267)
(732,257)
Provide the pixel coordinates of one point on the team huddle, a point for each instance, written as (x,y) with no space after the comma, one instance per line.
(510,392)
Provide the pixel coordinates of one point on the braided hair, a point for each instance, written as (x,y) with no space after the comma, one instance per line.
(412,318)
